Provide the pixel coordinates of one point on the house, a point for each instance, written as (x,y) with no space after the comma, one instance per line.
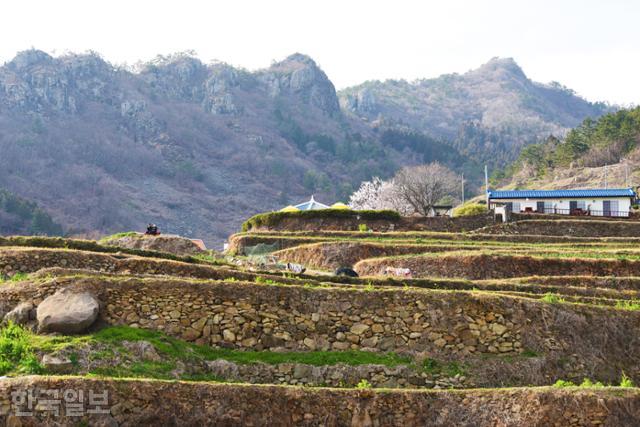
(595,202)
(311,205)
(441,210)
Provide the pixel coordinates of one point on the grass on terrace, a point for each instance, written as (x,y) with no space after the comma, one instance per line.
(418,236)
(59,243)
(19,349)
(595,253)
(288,242)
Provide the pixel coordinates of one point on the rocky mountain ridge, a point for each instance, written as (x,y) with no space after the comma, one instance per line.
(193,147)
(198,147)
(490,112)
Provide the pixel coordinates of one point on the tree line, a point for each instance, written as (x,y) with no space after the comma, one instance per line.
(594,143)
(23,216)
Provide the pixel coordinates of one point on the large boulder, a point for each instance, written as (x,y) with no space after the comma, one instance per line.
(67,312)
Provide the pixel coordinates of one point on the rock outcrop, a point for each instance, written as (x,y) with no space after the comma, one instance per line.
(67,312)
(21,314)
(163,243)
(300,76)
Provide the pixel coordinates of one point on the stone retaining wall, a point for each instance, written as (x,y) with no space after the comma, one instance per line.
(29,260)
(440,223)
(521,216)
(607,282)
(133,403)
(339,375)
(252,316)
(480,267)
(330,255)
(445,325)
(567,227)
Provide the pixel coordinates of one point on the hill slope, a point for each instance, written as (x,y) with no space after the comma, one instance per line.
(190,146)
(598,153)
(198,147)
(490,112)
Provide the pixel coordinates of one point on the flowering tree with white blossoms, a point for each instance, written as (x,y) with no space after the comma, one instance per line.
(377,195)
(413,189)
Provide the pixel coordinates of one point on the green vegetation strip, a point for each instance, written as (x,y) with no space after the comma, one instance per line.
(18,277)
(291,240)
(272,218)
(475,236)
(18,349)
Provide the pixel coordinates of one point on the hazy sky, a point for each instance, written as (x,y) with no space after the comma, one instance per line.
(590,46)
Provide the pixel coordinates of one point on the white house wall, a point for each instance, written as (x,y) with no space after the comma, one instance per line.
(624,204)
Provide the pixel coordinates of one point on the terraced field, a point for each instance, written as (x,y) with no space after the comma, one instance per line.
(471,328)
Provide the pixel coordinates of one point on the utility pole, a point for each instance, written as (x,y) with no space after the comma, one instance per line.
(463,189)
(486,184)
(626,174)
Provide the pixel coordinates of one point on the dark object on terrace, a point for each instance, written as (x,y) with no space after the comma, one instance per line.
(296,268)
(152,230)
(346,271)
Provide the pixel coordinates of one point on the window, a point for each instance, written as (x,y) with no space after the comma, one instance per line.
(581,205)
(614,207)
(516,207)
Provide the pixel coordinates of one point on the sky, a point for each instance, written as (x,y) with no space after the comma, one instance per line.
(591,46)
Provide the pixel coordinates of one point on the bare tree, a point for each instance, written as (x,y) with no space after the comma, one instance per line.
(423,186)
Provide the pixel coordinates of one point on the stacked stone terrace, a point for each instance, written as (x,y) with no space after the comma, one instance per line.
(480,311)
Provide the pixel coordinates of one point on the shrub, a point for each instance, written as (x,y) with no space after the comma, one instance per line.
(563,383)
(586,383)
(590,384)
(364,384)
(363,228)
(551,298)
(469,209)
(16,352)
(625,381)
(17,277)
(269,219)
(431,366)
(631,305)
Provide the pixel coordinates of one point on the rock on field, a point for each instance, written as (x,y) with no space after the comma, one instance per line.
(21,314)
(67,312)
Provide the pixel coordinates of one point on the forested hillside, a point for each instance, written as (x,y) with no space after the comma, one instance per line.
(21,216)
(488,113)
(610,141)
(197,147)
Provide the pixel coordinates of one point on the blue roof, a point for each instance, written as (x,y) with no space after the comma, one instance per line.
(561,194)
(311,205)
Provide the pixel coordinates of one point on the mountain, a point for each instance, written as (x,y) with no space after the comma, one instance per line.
(196,147)
(597,153)
(488,113)
(193,147)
